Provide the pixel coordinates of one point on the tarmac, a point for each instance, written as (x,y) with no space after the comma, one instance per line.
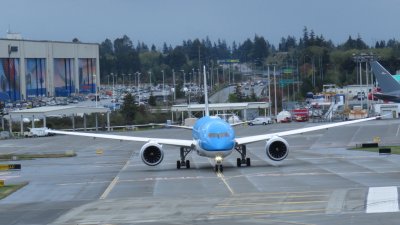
(321,182)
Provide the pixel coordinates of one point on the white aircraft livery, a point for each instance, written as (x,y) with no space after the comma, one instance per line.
(214,138)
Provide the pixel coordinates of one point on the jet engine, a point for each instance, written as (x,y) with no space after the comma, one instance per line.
(152,154)
(277,150)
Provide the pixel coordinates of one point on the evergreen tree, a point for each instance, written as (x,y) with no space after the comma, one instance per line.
(128,108)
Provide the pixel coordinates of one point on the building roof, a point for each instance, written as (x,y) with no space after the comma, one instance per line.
(57,111)
(220,106)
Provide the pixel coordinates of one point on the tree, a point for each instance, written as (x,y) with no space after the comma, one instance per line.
(152,100)
(128,108)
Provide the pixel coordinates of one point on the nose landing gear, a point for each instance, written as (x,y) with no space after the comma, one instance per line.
(218,164)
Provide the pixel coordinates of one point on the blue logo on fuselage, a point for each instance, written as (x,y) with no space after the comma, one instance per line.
(214,134)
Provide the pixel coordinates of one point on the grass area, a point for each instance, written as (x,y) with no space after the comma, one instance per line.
(395,149)
(7,190)
(28,156)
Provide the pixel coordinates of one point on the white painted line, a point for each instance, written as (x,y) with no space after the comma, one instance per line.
(109,188)
(113,183)
(220,175)
(382,199)
(398,129)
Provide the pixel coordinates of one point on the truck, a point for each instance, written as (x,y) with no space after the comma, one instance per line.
(36,132)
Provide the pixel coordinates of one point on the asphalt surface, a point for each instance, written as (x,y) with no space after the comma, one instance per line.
(319,183)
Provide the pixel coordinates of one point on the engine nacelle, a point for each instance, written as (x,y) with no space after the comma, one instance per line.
(152,154)
(277,149)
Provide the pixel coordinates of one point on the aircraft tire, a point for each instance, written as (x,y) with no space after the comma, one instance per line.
(238,162)
(216,168)
(178,164)
(187,164)
(221,168)
(248,162)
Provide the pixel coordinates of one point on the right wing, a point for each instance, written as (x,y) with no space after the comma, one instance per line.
(173,142)
(263,137)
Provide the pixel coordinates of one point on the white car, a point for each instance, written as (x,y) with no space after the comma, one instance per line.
(260,120)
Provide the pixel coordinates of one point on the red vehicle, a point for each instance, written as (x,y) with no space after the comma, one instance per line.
(300,115)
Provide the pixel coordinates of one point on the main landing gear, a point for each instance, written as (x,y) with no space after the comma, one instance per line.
(183,162)
(243,160)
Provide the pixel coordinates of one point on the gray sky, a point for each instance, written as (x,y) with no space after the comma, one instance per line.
(172,21)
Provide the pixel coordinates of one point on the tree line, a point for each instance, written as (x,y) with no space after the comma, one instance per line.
(313,59)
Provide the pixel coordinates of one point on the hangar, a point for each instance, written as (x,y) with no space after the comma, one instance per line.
(31,69)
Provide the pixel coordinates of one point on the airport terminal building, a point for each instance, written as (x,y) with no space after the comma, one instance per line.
(31,69)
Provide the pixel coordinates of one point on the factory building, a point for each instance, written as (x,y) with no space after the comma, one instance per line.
(31,69)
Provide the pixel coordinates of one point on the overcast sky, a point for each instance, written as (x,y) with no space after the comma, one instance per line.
(172,21)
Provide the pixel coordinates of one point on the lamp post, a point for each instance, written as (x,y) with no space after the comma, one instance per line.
(150,78)
(184,77)
(95,85)
(138,87)
(269,92)
(275,102)
(173,80)
(163,86)
(113,85)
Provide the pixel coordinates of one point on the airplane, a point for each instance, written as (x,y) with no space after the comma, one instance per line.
(214,138)
(390,87)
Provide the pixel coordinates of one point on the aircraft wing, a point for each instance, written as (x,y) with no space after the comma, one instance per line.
(173,142)
(263,137)
(178,126)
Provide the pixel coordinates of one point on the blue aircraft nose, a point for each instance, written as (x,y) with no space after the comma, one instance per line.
(217,144)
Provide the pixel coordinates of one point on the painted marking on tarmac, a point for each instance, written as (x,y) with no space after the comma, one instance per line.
(398,129)
(264,212)
(113,183)
(220,175)
(109,188)
(252,204)
(382,199)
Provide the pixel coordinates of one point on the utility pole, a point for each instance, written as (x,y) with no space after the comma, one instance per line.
(163,85)
(275,104)
(269,92)
(173,79)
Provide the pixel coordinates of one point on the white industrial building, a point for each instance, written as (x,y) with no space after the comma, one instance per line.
(30,69)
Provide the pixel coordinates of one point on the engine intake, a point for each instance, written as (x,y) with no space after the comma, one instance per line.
(277,149)
(152,154)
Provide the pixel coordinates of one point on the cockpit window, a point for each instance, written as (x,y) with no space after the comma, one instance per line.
(218,135)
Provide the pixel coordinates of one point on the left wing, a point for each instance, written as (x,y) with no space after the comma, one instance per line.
(173,142)
(262,137)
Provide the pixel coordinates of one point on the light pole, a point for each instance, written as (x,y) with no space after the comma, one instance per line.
(275,106)
(163,85)
(269,92)
(150,78)
(184,78)
(95,85)
(138,87)
(113,85)
(173,80)
(129,75)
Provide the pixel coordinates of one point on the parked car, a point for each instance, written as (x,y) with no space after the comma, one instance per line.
(260,121)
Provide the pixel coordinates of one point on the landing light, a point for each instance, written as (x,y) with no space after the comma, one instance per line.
(218,159)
